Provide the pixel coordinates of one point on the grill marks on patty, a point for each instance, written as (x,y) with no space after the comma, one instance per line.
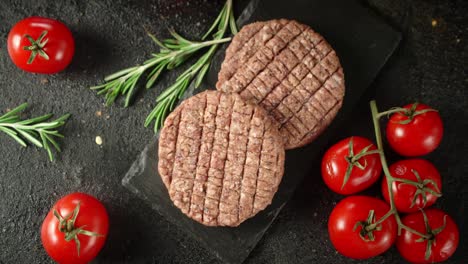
(220,158)
(291,71)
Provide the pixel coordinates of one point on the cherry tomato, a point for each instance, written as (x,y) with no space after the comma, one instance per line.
(443,242)
(336,161)
(409,198)
(41,45)
(420,136)
(355,243)
(91,226)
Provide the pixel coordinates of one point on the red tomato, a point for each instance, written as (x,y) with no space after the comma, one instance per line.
(443,242)
(91,217)
(347,240)
(336,161)
(418,137)
(50,54)
(404,194)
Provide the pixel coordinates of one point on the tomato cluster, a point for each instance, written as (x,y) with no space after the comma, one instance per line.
(362,227)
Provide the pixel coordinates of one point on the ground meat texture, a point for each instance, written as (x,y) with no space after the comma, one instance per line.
(289,70)
(221,158)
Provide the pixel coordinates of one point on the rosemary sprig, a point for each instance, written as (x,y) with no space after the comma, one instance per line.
(173,52)
(166,101)
(37,131)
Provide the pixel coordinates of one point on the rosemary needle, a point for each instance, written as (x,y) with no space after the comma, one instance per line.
(166,101)
(173,52)
(38,131)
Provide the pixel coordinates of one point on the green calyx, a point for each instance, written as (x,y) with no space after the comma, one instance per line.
(409,113)
(368,227)
(430,235)
(412,113)
(37,47)
(422,189)
(353,160)
(67,226)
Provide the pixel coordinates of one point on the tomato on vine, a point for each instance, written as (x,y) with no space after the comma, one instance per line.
(75,229)
(41,45)
(362,227)
(351,165)
(414,130)
(422,188)
(441,241)
(354,229)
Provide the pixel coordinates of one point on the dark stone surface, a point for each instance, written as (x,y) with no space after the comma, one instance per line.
(430,66)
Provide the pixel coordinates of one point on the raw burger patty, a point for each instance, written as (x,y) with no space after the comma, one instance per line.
(289,70)
(221,158)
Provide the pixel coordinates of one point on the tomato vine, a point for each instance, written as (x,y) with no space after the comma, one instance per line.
(376,115)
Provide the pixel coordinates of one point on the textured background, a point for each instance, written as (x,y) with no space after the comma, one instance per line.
(429,66)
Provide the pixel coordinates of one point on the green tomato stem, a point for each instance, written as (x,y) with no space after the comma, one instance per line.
(392,111)
(406,181)
(390,179)
(360,155)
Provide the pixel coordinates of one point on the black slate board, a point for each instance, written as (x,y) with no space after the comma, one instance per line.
(363,43)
